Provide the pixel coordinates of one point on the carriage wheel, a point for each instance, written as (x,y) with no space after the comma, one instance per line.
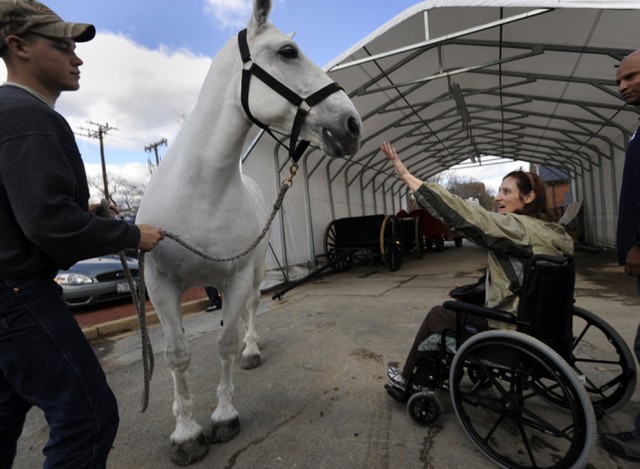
(603,360)
(391,243)
(457,242)
(424,408)
(510,420)
(438,243)
(341,257)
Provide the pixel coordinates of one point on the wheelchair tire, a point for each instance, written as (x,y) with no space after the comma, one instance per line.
(602,356)
(424,408)
(511,420)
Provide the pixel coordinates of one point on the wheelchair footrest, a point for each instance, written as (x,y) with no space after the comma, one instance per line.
(398,394)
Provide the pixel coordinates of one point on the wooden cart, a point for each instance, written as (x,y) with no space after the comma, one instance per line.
(378,238)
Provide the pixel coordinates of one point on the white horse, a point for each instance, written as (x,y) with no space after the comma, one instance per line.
(199,193)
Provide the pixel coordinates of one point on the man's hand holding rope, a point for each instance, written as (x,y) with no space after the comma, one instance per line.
(150,236)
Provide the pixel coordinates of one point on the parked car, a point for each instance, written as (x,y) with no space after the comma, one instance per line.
(96,280)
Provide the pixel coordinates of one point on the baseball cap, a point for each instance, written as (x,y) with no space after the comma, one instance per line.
(21,16)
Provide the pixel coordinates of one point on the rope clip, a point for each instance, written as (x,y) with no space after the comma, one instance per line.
(293,170)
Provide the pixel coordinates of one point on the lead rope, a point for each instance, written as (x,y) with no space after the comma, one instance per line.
(139,295)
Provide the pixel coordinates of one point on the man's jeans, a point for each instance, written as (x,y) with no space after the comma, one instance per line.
(45,361)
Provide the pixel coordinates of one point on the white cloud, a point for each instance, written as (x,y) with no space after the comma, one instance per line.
(141,92)
(229,13)
(134,173)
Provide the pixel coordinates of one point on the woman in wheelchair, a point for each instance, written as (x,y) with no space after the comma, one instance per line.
(520,228)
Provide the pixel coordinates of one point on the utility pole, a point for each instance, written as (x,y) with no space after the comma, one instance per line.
(99,134)
(154,147)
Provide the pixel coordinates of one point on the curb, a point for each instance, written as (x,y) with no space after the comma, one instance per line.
(130,323)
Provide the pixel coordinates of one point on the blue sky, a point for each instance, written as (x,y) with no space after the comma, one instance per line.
(325,28)
(170,43)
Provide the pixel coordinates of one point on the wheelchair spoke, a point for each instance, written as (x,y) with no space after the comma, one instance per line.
(486,402)
(507,412)
(527,444)
(493,429)
(600,390)
(580,336)
(543,425)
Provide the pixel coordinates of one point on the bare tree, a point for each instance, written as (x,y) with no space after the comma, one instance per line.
(469,187)
(124,193)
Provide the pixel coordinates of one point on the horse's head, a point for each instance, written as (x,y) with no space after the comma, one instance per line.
(284,90)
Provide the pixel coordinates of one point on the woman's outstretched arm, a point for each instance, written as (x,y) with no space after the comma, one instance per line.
(401,170)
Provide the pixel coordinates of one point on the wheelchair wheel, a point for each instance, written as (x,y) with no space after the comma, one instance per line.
(604,359)
(509,417)
(424,408)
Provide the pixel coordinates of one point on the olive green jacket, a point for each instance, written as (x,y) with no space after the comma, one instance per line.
(510,238)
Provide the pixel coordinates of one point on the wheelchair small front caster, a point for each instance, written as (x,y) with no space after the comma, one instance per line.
(424,408)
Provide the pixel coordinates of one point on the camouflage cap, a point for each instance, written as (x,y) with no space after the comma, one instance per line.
(18,17)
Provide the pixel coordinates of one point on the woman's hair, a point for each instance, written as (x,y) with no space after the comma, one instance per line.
(527,182)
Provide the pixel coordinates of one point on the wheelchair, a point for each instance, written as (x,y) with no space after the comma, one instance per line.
(527,396)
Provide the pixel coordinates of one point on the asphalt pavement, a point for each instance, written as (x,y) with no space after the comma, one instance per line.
(318,399)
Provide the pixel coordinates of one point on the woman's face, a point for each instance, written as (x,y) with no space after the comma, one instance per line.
(508,199)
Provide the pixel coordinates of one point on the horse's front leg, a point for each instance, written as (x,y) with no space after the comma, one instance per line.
(188,443)
(225,423)
(251,357)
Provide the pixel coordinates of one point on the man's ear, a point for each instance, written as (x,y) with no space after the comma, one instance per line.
(16,44)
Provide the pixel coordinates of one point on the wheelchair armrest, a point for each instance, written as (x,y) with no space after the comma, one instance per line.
(474,310)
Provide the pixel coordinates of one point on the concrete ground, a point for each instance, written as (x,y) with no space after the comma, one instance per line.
(318,399)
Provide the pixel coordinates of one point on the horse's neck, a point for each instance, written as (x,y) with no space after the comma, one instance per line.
(213,135)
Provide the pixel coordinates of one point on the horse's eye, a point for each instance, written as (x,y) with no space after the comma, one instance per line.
(288,52)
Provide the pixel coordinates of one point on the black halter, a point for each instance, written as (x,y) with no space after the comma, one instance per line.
(303,104)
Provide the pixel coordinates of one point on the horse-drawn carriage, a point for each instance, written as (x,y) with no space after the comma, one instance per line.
(378,238)
(432,232)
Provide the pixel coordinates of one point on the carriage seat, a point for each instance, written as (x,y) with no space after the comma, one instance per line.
(545,310)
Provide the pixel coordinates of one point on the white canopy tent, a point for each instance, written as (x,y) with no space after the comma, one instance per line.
(448,81)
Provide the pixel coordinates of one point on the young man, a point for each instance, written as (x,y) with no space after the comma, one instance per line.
(627,444)
(45,360)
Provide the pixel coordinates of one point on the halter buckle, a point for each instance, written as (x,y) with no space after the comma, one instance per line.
(304,107)
(247,64)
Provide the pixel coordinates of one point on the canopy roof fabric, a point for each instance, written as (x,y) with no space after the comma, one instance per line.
(475,81)
(453,80)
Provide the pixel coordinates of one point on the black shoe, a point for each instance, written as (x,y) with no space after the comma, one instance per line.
(623,444)
(213,308)
(395,379)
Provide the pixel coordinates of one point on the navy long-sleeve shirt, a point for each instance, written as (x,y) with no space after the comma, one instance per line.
(628,232)
(44,220)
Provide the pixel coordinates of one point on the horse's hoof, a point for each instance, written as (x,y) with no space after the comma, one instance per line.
(251,362)
(189,452)
(221,432)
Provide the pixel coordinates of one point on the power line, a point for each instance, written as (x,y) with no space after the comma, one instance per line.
(102,130)
(154,147)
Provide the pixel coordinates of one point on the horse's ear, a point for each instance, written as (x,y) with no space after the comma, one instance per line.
(261,9)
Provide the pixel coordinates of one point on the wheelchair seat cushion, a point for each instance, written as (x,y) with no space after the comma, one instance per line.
(433,344)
